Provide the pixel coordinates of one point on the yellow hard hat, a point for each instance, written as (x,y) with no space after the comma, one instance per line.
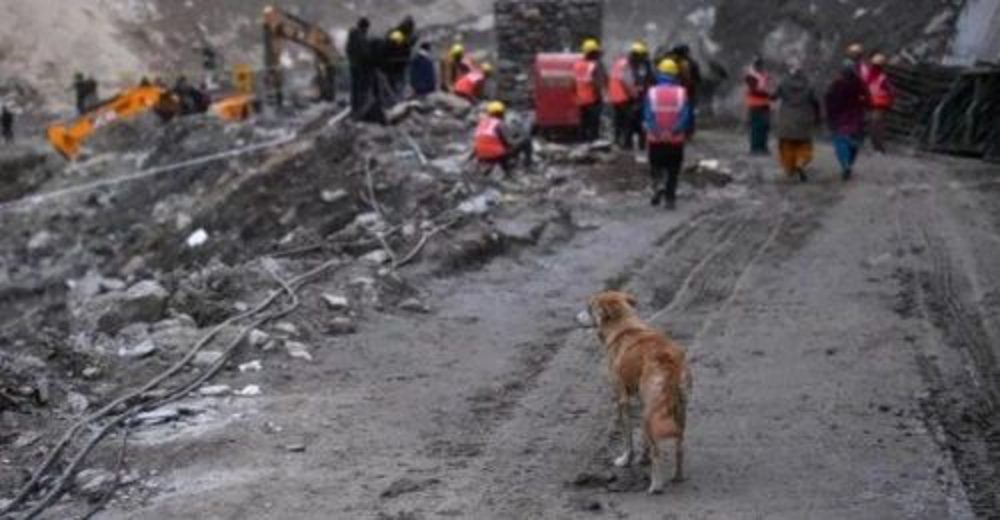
(457,50)
(486,68)
(496,108)
(668,66)
(879,59)
(640,48)
(397,37)
(855,49)
(591,45)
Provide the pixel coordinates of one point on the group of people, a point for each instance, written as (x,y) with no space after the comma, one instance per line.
(387,69)
(854,107)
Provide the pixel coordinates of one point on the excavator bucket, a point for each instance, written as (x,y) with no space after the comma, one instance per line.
(63,141)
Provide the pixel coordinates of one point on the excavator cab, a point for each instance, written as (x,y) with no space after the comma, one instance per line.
(279,27)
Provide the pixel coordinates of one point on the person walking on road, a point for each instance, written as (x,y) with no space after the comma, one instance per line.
(590,81)
(881,93)
(797,118)
(758,103)
(7,124)
(846,101)
(690,77)
(667,118)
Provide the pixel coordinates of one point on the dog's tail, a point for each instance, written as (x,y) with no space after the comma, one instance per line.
(672,386)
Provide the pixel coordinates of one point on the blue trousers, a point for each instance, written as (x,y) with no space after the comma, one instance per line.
(846,147)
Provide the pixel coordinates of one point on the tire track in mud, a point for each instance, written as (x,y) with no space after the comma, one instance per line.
(964,393)
(559,427)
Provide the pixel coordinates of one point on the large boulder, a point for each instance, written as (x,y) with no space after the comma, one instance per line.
(144,302)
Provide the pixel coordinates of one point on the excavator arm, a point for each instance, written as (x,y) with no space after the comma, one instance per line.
(67,138)
(280,27)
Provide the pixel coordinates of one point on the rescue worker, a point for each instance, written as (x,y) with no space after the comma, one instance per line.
(846,101)
(92,96)
(359,59)
(395,60)
(494,144)
(630,77)
(454,66)
(758,103)
(690,77)
(7,124)
(881,93)
(667,117)
(856,53)
(472,85)
(590,81)
(797,118)
(423,77)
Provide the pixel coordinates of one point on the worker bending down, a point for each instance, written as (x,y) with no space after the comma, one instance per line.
(493,144)
(590,80)
(667,116)
(472,84)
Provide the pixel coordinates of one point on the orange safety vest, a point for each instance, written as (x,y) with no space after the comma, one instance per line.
(471,84)
(586,89)
(666,103)
(879,91)
(620,89)
(753,99)
(489,146)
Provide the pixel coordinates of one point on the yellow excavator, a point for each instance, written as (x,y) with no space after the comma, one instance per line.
(280,27)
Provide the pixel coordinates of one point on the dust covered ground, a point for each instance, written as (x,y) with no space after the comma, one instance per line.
(843,336)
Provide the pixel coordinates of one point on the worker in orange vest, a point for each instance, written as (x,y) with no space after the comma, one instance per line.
(493,143)
(472,84)
(454,66)
(630,78)
(668,117)
(881,95)
(590,80)
(758,103)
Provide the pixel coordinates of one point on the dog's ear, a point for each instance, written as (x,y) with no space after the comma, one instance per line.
(632,302)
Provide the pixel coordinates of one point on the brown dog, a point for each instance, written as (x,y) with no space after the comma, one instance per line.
(646,363)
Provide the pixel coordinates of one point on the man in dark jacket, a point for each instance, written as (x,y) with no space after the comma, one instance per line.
(359,58)
(846,103)
(423,79)
(798,116)
(690,77)
(7,124)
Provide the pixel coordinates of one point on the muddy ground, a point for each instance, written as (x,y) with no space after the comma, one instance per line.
(843,339)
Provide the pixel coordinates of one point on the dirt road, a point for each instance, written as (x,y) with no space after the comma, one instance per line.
(844,352)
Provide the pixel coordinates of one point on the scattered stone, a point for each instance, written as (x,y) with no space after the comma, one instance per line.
(94,483)
(341,325)
(295,448)
(91,373)
(332,197)
(249,391)
(41,240)
(26,439)
(414,305)
(241,307)
(158,416)
(251,366)
(286,328)
(406,485)
(336,302)
(376,257)
(258,338)
(215,390)
(450,102)
(78,403)
(481,204)
(139,351)
(197,239)
(206,358)
(298,350)
(878,260)
(520,230)
(585,320)
(590,480)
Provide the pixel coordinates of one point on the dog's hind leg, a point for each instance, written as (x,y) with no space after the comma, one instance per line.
(655,463)
(679,454)
(625,424)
